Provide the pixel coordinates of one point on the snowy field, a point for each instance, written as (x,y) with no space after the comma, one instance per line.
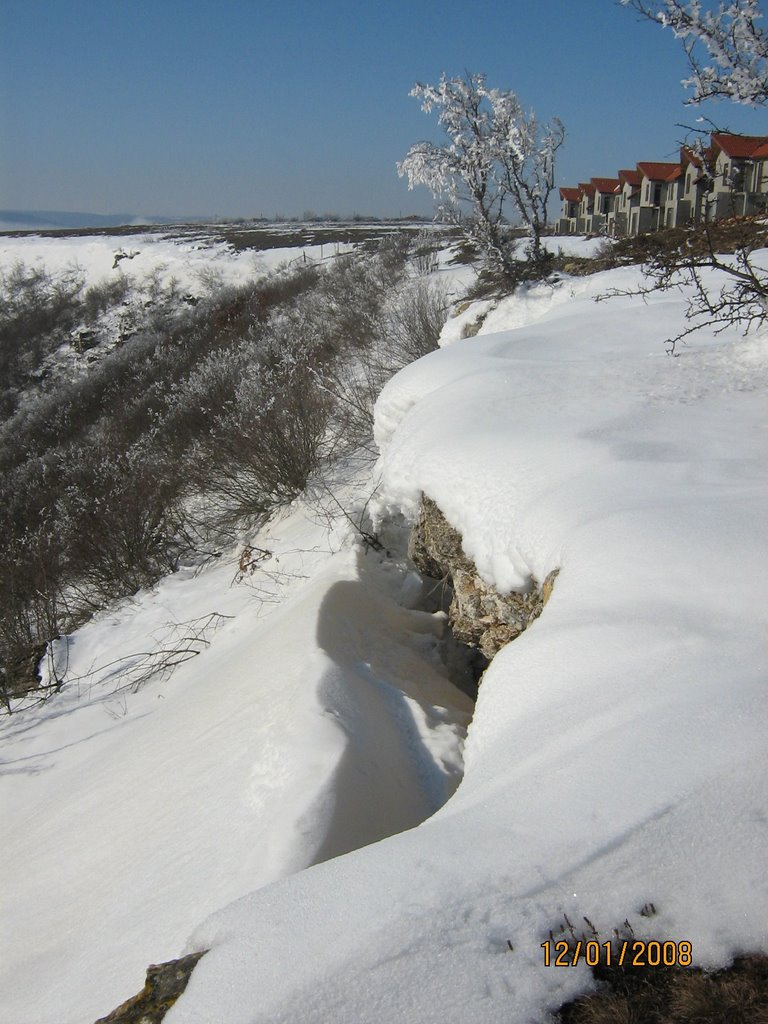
(616,756)
(192,262)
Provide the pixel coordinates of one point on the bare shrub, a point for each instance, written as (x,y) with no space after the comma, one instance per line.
(265,444)
(407,327)
(392,254)
(212,415)
(118,522)
(413,322)
(682,258)
(37,309)
(104,295)
(30,605)
(343,311)
(425,259)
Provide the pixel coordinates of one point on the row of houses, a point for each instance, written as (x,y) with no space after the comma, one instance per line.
(729,178)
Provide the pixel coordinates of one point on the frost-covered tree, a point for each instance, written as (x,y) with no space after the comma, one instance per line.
(726,47)
(498,165)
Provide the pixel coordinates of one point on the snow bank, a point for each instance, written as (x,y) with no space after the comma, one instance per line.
(617,755)
(312,721)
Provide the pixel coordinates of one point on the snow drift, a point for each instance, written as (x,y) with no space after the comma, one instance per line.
(617,753)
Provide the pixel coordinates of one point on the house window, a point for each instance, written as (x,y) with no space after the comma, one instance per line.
(648,193)
(657,195)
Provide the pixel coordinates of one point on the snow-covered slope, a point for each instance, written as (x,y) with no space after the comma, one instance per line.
(129,815)
(616,757)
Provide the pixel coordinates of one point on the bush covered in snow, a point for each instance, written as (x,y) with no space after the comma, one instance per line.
(186,418)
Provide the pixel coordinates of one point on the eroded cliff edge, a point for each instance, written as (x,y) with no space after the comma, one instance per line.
(481,619)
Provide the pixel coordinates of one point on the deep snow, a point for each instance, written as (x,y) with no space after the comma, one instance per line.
(616,755)
(135,813)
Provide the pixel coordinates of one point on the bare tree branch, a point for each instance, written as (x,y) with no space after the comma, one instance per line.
(726,48)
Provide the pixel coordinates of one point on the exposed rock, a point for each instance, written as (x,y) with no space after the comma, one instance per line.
(164,985)
(480,617)
(84,339)
(121,254)
(472,329)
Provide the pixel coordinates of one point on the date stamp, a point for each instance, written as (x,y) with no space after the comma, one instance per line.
(622,953)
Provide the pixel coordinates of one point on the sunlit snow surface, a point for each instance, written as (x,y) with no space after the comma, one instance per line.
(617,755)
(191,262)
(313,720)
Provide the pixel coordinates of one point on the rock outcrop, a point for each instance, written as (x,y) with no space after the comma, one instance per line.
(164,985)
(480,617)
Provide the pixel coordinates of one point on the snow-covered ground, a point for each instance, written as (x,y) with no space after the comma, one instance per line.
(616,757)
(314,719)
(192,262)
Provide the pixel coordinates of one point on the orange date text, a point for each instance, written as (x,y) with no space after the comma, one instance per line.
(623,953)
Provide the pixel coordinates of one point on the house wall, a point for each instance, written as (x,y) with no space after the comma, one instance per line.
(651,199)
(676,209)
(605,205)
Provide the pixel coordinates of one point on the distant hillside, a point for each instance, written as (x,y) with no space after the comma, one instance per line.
(51,220)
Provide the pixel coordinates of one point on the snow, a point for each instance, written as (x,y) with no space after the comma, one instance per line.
(190,261)
(616,756)
(136,813)
(574,245)
(617,752)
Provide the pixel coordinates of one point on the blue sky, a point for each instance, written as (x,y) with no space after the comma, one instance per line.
(246,107)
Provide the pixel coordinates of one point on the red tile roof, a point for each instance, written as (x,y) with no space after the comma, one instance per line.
(630,177)
(571,195)
(659,171)
(741,146)
(586,187)
(606,184)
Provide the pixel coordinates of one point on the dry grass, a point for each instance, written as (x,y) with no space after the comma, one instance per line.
(727,236)
(666,995)
(676,995)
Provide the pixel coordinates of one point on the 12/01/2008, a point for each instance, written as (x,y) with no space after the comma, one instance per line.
(627,953)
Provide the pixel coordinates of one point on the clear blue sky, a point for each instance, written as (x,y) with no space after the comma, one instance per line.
(247,107)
